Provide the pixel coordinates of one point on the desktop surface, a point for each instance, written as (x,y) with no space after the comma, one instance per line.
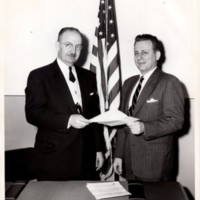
(76,190)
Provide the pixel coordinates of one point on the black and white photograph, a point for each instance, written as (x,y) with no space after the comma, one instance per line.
(99,99)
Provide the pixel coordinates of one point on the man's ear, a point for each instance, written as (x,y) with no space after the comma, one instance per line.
(158,54)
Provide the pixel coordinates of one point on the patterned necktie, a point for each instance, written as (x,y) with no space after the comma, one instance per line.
(71,75)
(135,96)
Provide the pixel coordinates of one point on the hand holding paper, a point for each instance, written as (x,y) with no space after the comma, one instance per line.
(111,118)
(136,126)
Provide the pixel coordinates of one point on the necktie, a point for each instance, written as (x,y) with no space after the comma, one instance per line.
(135,96)
(71,75)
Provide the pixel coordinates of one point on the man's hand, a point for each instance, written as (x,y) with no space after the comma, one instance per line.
(78,121)
(118,165)
(99,160)
(136,126)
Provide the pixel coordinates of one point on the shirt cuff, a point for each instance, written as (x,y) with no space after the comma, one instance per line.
(69,123)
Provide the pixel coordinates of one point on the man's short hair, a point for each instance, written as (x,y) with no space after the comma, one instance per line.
(156,43)
(63,30)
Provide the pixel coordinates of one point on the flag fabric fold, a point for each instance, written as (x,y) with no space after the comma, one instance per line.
(105,62)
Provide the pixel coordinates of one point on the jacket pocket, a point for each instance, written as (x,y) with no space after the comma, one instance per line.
(45,146)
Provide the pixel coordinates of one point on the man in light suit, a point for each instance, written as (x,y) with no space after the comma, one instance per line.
(145,144)
(60,98)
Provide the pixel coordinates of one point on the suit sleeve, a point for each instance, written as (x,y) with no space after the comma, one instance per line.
(94,111)
(172,117)
(37,111)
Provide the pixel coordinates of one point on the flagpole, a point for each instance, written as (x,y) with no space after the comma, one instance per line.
(106,14)
(106,10)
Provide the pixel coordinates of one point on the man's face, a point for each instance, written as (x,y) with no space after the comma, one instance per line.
(69,47)
(145,57)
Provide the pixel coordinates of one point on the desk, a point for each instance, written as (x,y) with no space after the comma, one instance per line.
(69,190)
(76,190)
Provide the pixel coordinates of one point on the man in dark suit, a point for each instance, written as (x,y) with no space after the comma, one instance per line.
(155,105)
(60,98)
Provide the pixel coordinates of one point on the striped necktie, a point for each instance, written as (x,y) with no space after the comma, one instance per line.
(71,75)
(135,96)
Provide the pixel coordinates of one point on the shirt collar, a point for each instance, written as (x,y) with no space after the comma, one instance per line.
(64,68)
(148,74)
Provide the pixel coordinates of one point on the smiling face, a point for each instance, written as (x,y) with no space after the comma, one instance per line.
(145,56)
(69,47)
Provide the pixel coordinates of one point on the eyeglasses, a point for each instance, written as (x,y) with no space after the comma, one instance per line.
(69,46)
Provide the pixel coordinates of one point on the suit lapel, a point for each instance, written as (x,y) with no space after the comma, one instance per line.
(62,87)
(147,90)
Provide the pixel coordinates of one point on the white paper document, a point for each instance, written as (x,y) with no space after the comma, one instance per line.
(107,189)
(110,118)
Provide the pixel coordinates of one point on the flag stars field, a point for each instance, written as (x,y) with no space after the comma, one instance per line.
(111,21)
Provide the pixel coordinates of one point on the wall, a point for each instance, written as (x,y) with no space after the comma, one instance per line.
(30,30)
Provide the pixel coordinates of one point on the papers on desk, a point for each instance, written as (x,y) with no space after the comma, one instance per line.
(107,189)
(110,118)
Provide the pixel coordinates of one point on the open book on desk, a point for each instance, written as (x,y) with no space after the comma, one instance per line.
(111,118)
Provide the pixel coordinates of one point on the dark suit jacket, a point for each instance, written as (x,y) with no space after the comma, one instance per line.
(62,153)
(161,107)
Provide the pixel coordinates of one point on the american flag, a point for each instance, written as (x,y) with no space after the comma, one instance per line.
(105,63)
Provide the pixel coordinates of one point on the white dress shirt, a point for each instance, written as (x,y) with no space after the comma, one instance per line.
(73,86)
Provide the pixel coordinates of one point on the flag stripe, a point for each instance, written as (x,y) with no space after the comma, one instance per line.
(103,77)
(93,68)
(112,67)
(94,50)
(113,93)
(115,102)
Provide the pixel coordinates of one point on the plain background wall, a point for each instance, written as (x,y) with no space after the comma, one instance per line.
(30,29)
